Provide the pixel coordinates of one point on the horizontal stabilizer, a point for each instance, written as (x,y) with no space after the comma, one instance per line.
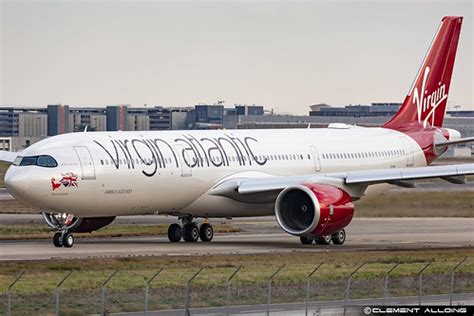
(455,142)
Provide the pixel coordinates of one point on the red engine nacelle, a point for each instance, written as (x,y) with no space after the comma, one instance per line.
(313,209)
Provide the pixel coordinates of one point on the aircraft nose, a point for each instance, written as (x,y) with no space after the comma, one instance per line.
(14,183)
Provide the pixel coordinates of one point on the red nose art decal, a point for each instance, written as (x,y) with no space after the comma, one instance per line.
(67,180)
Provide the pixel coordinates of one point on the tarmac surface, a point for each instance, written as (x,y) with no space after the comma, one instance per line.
(261,235)
(354,307)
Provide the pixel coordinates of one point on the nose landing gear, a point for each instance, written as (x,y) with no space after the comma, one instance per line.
(190,232)
(63,240)
(62,224)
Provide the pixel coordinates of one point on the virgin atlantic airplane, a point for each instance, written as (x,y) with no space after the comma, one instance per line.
(307,178)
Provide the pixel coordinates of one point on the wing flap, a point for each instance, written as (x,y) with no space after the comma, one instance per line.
(355,181)
(386,175)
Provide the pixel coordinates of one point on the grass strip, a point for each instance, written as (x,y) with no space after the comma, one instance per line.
(42,231)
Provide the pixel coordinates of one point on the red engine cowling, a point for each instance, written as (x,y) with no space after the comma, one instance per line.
(313,209)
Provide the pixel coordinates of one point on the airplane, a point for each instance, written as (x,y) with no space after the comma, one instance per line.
(307,178)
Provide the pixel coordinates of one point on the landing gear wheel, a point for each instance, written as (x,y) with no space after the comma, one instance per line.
(190,232)
(57,240)
(206,232)
(175,233)
(68,240)
(323,240)
(306,240)
(339,237)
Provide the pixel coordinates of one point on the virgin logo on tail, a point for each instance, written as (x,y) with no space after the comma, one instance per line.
(426,103)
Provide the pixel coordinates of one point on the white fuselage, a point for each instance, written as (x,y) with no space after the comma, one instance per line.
(171,172)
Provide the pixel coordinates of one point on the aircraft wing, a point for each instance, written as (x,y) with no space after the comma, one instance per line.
(357,180)
(8,156)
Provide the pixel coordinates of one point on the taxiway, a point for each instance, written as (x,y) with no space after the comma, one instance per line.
(261,235)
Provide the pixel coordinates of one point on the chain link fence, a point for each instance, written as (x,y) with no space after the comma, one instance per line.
(230,289)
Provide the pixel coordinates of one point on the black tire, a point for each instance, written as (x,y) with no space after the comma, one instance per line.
(190,232)
(306,240)
(68,240)
(175,233)
(323,240)
(57,240)
(339,237)
(206,233)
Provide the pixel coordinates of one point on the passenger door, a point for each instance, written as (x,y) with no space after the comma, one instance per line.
(316,159)
(409,151)
(185,169)
(87,164)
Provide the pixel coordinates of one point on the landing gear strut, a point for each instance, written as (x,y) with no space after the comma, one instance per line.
(337,238)
(62,224)
(190,232)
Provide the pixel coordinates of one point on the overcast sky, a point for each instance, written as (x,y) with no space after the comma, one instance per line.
(282,55)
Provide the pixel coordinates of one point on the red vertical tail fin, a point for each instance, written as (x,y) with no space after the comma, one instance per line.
(426,102)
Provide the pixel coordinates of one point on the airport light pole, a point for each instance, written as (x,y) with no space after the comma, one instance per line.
(270,281)
(9,293)
(349,283)
(452,280)
(420,281)
(308,285)
(188,284)
(58,286)
(102,293)
(229,293)
(147,289)
(385,286)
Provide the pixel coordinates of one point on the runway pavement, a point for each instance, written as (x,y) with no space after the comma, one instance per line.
(262,235)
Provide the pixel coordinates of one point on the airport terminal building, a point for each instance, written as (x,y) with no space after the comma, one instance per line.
(23,126)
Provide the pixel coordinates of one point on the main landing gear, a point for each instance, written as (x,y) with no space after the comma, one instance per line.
(338,238)
(189,231)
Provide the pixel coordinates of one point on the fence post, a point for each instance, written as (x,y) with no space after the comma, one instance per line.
(452,280)
(9,293)
(229,280)
(308,284)
(58,289)
(420,281)
(270,288)
(147,289)
(102,293)
(186,309)
(385,286)
(349,282)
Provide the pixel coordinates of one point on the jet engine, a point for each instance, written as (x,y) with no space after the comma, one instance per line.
(313,209)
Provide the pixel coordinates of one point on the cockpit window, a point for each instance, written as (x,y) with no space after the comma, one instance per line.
(17,160)
(46,161)
(41,161)
(28,161)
